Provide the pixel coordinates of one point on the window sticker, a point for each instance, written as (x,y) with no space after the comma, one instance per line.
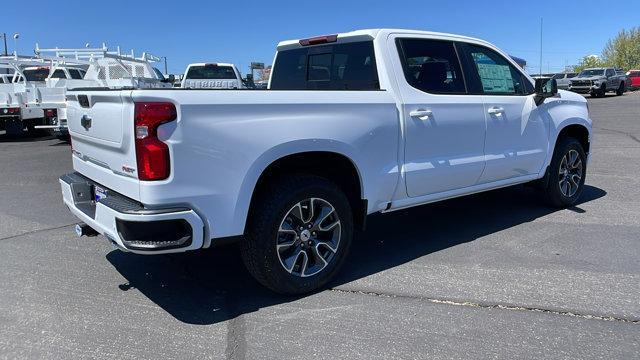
(495,78)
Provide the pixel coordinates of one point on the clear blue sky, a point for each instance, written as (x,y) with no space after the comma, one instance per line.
(241,32)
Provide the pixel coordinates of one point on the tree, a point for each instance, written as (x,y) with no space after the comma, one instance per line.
(624,50)
(589,61)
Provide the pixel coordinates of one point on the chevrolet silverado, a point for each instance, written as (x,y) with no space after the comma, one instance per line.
(351,124)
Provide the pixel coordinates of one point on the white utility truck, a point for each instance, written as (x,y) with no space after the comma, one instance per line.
(87,68)
(352,124)
(18,90)
(212,76)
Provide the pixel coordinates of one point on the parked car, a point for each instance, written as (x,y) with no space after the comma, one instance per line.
(634,79)
(564,79)
(212,76)
(598,81)
(352,124)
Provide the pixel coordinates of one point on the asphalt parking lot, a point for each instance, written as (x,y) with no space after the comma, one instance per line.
(495,275)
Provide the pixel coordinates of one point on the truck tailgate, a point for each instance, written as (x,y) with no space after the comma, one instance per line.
(102,132)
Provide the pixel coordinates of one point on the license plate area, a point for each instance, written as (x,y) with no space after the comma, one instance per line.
(99,193)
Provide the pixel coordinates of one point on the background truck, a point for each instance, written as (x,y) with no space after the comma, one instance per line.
(212,76)
(634,78)
(599,81)
(352,124)
(86,68)
(564,79)
(18,90)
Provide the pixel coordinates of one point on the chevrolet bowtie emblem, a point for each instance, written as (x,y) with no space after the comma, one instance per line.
(85,122)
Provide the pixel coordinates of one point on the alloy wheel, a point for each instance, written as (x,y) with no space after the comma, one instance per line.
(570,173)
(308,237)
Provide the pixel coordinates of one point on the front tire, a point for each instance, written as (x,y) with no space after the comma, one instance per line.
(298,234)
(603,90)
(567,173)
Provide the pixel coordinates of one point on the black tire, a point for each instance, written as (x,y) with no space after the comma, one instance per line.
(603,90)
(272,205)
(620,90)
(554,195)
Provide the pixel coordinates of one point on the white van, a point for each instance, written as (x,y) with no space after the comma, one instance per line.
(212,76)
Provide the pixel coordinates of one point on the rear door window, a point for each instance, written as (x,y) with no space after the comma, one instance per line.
(431,66)
(490,73)
(75,74)
(348,66)
(211,72)
(58,74)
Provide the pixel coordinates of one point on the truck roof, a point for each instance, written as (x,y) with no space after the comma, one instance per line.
(374,33)
(211,62)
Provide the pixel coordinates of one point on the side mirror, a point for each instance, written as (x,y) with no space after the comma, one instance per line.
(545,88)
(171,78)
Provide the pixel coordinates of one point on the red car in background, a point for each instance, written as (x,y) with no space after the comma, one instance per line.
(634,75)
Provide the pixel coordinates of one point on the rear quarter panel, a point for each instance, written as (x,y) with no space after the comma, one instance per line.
(224,140)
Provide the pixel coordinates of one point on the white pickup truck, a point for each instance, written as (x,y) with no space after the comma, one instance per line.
(212,76)
(352,124)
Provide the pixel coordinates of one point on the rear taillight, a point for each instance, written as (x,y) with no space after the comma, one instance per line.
(10,111)
(152,155)
(51,113)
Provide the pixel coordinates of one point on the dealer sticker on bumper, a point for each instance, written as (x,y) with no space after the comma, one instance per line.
(99,193)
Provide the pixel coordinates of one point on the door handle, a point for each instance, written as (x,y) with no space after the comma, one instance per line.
(421,114)
(496,110)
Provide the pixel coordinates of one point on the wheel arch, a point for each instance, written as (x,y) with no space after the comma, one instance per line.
(329,159)
(578,131)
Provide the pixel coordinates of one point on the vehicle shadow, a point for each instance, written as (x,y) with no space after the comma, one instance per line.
(210,286)
(24,137)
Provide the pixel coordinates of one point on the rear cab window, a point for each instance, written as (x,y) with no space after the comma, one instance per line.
(39,74)
(211,72)
(335,66)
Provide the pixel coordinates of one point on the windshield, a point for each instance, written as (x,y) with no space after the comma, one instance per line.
(558,76)
(40,74)
(211,72)
(591,72)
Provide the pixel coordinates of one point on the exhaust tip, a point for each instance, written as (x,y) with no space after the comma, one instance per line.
(85,230)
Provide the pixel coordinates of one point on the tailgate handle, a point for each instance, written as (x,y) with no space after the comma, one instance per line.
(85,121)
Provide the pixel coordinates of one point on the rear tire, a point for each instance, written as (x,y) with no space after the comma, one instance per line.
(620,90)
(298,234)
(567,173)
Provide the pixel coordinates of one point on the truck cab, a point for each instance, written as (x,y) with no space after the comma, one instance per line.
(212,76)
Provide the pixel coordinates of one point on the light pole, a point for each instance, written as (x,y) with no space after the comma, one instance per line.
(4,36)
(166,72)
(15,42)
